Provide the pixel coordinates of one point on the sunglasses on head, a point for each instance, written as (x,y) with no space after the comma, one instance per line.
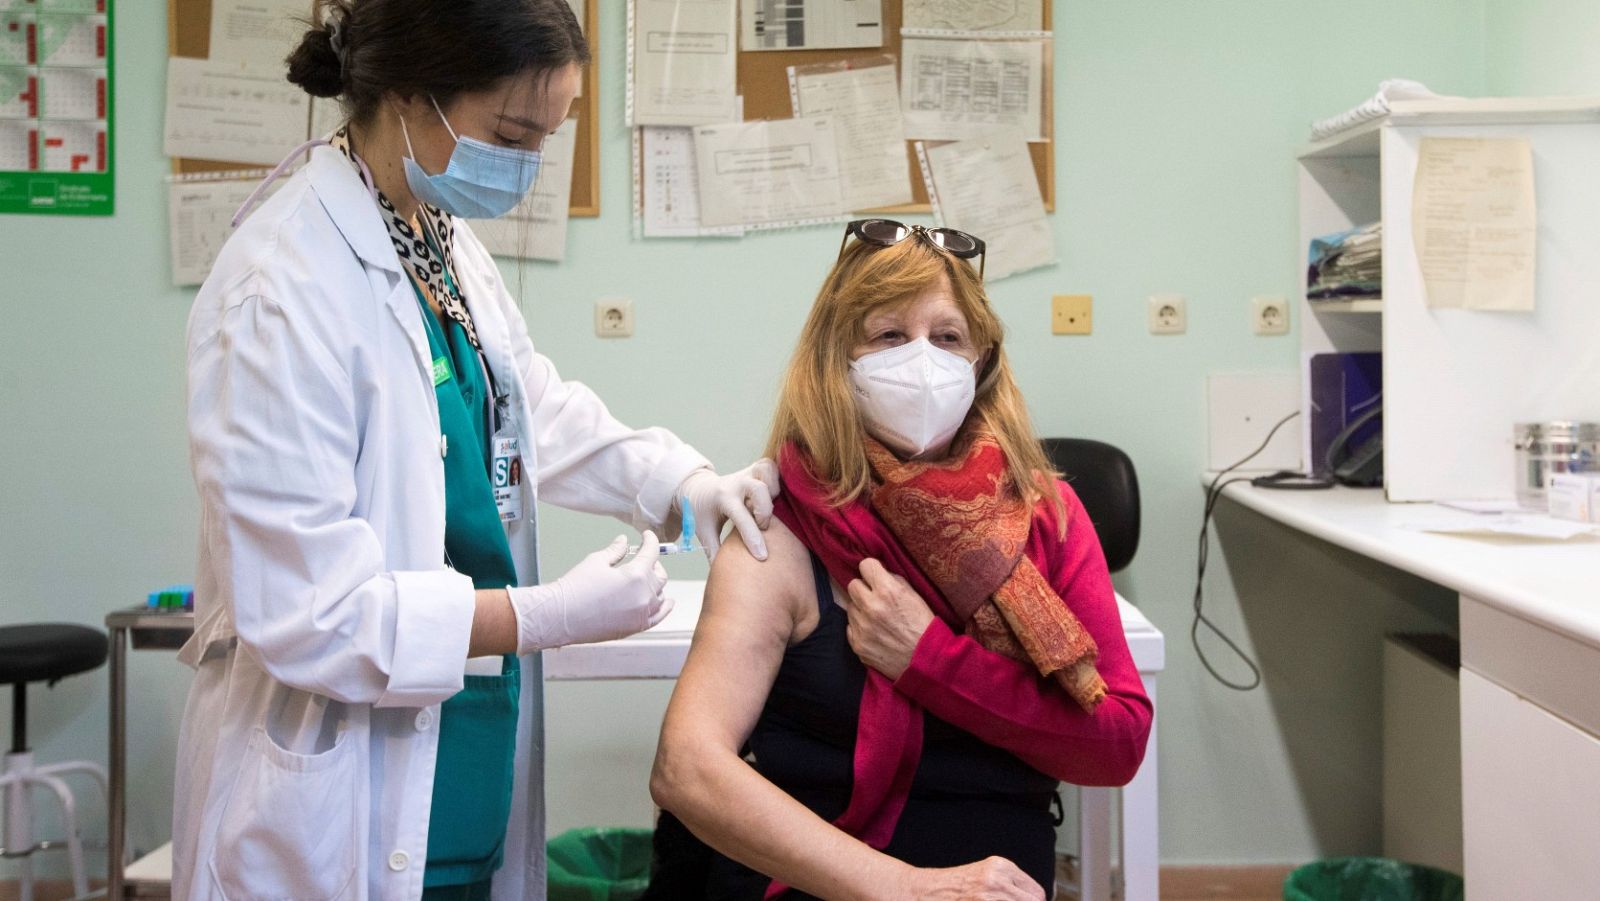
(887,233)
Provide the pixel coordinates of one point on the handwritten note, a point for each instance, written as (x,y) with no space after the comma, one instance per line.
(1475,221)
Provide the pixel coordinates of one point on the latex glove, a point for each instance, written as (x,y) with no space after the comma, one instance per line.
(597,600)
(744,497)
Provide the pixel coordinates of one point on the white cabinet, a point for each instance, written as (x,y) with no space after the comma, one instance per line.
(1530,758)
(1530,798)
(1455,381)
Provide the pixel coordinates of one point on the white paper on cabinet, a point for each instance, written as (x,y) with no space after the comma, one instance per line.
(811,24)
(771,173)
(683,66)
(218,114)
(536,229)
(864,103)
(955,89)
(987,188)
(1475,222)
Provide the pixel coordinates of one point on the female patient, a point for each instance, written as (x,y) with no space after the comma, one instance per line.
(933,643)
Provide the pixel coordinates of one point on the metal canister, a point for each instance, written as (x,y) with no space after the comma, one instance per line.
(1546,448)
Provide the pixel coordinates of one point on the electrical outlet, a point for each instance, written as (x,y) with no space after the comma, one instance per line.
(1169,314)
(613,317)
(1269,315)
(1072,314)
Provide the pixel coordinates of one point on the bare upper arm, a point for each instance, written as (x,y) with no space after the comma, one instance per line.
(753,611)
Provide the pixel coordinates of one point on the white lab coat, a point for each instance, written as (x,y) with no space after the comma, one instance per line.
(329,628)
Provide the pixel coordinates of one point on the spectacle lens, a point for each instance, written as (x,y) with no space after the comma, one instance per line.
(883,231)
(958,243)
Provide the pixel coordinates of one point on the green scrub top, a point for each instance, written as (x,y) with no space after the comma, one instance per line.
(477,726)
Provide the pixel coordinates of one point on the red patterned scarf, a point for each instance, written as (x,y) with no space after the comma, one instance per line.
(955,531)
(966,528)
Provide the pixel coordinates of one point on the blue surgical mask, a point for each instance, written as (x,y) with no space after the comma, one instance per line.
(482,181)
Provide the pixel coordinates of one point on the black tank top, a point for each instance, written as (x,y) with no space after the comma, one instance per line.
(969,800)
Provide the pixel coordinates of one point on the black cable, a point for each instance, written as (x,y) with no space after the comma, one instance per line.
(1213,494)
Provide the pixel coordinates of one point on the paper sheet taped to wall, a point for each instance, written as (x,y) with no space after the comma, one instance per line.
(974,15)
(536,229)
(863,99)
(987,188)
(216,113)
(670,186)
(199,219)
(256,36)
(683,65)
(1475,222)
(960,88)
(773,173)
(811,24)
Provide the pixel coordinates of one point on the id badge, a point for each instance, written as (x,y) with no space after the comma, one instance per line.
(507,475)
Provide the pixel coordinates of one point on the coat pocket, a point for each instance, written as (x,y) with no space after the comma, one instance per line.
(289,830)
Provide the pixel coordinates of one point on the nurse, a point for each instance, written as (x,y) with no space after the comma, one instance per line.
(361,384)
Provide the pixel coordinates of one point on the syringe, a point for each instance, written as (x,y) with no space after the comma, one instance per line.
(685,543)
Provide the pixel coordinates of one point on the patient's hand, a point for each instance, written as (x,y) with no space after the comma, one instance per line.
(887,619)
(991,879)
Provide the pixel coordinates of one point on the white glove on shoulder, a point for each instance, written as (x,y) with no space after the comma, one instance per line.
(597,600)
(744,497)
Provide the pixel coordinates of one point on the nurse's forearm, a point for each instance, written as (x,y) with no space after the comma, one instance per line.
(494,624)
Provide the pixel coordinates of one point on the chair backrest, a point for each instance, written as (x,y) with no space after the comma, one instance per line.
(1106,482)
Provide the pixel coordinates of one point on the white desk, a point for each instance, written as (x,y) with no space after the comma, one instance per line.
(660,652)
(1530,661)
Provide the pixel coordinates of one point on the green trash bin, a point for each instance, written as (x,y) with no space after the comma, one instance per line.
(599,864)
(1371,879)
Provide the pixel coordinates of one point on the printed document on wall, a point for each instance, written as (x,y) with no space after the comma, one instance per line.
(1475,222)
(670,185)
(536,229)
(219,114)
(986,187)
(811,24)
(864,103)
(256,36)
(954,89)
(778,172)
(684,62)
(974,15)
(199,219)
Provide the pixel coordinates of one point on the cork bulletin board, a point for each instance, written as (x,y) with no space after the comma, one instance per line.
(764,84)
(189,35)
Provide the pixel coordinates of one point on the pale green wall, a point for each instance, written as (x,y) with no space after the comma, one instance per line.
(1534,47)
(1176,123)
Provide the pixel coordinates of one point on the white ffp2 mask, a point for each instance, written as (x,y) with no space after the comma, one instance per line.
(913,397)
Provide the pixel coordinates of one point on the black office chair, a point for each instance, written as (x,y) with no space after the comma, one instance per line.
(1106,482)
(43,652)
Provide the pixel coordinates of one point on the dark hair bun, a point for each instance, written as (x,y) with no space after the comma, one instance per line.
(314,65)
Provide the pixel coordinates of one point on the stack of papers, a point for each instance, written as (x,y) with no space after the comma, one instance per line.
(1375,107)
(1347,264)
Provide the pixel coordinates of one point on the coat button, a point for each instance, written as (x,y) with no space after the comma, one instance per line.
(424,720)
(399,860)
(444,445)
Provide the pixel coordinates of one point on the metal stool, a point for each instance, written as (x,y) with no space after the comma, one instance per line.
(43,652)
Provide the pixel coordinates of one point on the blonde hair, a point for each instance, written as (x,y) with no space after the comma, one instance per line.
(816,410)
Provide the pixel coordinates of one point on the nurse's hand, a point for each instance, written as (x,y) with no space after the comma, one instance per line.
(990,879)
(597,600)
(887,619)
(744,497)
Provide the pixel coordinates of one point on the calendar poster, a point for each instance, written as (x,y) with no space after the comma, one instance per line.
(56,107)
